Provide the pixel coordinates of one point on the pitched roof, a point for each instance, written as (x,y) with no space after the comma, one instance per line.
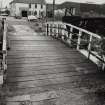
(29,1)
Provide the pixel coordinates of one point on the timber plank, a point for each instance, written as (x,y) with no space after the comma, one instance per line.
(30,72)
(78,64)
(53,69)
(45,76)
(38,63)
(45,53)
(75,80)
(47,62)
(85,85)
(43,82)
(47,50)
(41,77)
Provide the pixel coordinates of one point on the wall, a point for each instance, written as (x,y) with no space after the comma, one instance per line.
(20,5)
(12,9)
(15,8)
(38,9)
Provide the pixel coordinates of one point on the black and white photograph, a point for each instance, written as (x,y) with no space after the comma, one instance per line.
(52,52)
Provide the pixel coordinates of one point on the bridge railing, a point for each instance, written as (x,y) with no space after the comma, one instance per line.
(3,52)
(86,42)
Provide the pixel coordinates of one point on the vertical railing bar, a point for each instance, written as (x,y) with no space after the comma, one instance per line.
(63,32)
(51,29)
(70,36)
(58,31)
(103,64)
(79,40)
(47,29)
(89,46)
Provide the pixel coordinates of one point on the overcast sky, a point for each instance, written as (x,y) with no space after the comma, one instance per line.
(5,2)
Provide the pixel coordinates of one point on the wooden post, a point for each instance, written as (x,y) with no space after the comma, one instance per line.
(51,30)
(55,30)
(47,29)
(63,33)
(79,40)
(103,65)
(89,46)
(1,79)
(58,31)
(70,36)
(4,49)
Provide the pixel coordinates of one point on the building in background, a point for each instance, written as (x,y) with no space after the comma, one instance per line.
(78,9)
(74,8)
(4,11)
(28,7)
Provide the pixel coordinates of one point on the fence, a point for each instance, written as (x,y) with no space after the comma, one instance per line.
(86,42)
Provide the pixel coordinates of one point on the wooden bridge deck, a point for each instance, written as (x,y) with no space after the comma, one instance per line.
(48,70)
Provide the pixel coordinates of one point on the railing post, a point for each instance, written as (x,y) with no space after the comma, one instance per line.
(70,35)
(4,50)
(79,40)
(63,33)
(3,20)
(103,65)
(55,30)
(47,29)
(51,29)
(2,63)
(89,46)
(1,78)
(1,74)
(58,31)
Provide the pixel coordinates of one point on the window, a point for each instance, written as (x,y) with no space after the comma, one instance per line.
(35,5)
(35,13)
(29,5)
(41,6)
(72,10)
(42,14)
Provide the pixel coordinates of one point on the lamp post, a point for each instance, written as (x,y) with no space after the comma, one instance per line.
(53,10)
